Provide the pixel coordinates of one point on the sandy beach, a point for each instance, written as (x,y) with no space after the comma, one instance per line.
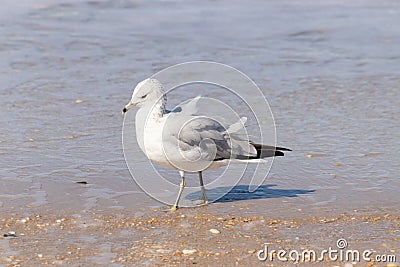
(193,236)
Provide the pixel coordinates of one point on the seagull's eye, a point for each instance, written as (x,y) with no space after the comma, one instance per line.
(144,96)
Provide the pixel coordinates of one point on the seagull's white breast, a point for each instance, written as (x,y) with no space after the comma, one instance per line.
(153,142)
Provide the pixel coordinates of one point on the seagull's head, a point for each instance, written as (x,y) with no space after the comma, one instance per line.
(147,91)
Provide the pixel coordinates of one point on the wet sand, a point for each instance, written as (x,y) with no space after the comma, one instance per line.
(183,238)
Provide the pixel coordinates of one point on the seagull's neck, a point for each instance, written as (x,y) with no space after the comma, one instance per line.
(157,109)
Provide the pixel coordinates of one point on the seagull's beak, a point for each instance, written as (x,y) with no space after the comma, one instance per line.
(127,107)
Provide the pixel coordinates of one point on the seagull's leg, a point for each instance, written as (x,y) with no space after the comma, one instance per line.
(203,190)
(181,186)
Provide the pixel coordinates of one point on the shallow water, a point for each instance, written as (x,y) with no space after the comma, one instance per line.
(330,72)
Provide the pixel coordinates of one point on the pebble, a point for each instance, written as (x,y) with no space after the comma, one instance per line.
(189,251)
(348,265)
(161,250)
(78,101)
(40,255)
(24,220)
(214,231)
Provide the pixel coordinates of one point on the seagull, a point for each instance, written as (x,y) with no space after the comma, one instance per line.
(188,142)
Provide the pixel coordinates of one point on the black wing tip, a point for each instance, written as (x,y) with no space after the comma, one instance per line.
(269,153)
(283,149)
(264,151)
(260,146)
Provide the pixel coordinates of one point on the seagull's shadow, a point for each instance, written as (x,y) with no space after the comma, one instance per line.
(241,192)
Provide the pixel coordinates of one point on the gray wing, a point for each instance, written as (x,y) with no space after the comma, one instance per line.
(197,132)
(200,130)
(189,107)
